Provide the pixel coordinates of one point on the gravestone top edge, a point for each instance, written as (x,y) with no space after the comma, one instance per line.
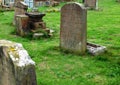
(76,3)
(17,53)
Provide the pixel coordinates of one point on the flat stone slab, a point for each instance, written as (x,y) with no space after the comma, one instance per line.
(16,66)
(95,49)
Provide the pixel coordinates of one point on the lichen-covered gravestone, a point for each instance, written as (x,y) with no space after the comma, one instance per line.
(91,4)
(16,66)
(73,28)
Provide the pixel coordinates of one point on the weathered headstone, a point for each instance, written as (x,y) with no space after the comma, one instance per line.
(91,4)
(20,9)
(16,66)
(73,28)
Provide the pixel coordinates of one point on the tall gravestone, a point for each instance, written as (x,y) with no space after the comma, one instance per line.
(73,28)
(91,4)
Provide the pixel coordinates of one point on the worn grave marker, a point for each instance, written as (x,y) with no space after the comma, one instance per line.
(91,4)
(73,28)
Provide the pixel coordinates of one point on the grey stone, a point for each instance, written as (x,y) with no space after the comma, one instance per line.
(91,4)
(22,25)
(95,49)
(16,66)
(73,28)
(37,35)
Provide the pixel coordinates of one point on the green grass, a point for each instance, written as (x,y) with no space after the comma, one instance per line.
(54,67)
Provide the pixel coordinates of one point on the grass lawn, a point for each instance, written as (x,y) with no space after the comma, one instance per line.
(54,67)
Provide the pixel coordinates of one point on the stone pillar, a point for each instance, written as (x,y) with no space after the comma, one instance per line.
(73,28)
(91,4)
(16,66)
(22,24)
(20,8)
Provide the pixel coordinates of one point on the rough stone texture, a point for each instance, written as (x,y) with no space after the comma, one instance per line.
(40,25)
(16,66)
(31,24)
(91,4)
(73,28)
(20,9)
(95,49)
(22,25)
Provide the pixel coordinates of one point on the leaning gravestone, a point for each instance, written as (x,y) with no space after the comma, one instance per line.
(91,4)
(16,66)
(73,28)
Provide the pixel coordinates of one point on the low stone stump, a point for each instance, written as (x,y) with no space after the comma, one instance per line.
(16,66)
(21,25)
(95,49)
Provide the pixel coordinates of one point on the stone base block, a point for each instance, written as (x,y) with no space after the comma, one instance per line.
(95,49)
(22,25)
